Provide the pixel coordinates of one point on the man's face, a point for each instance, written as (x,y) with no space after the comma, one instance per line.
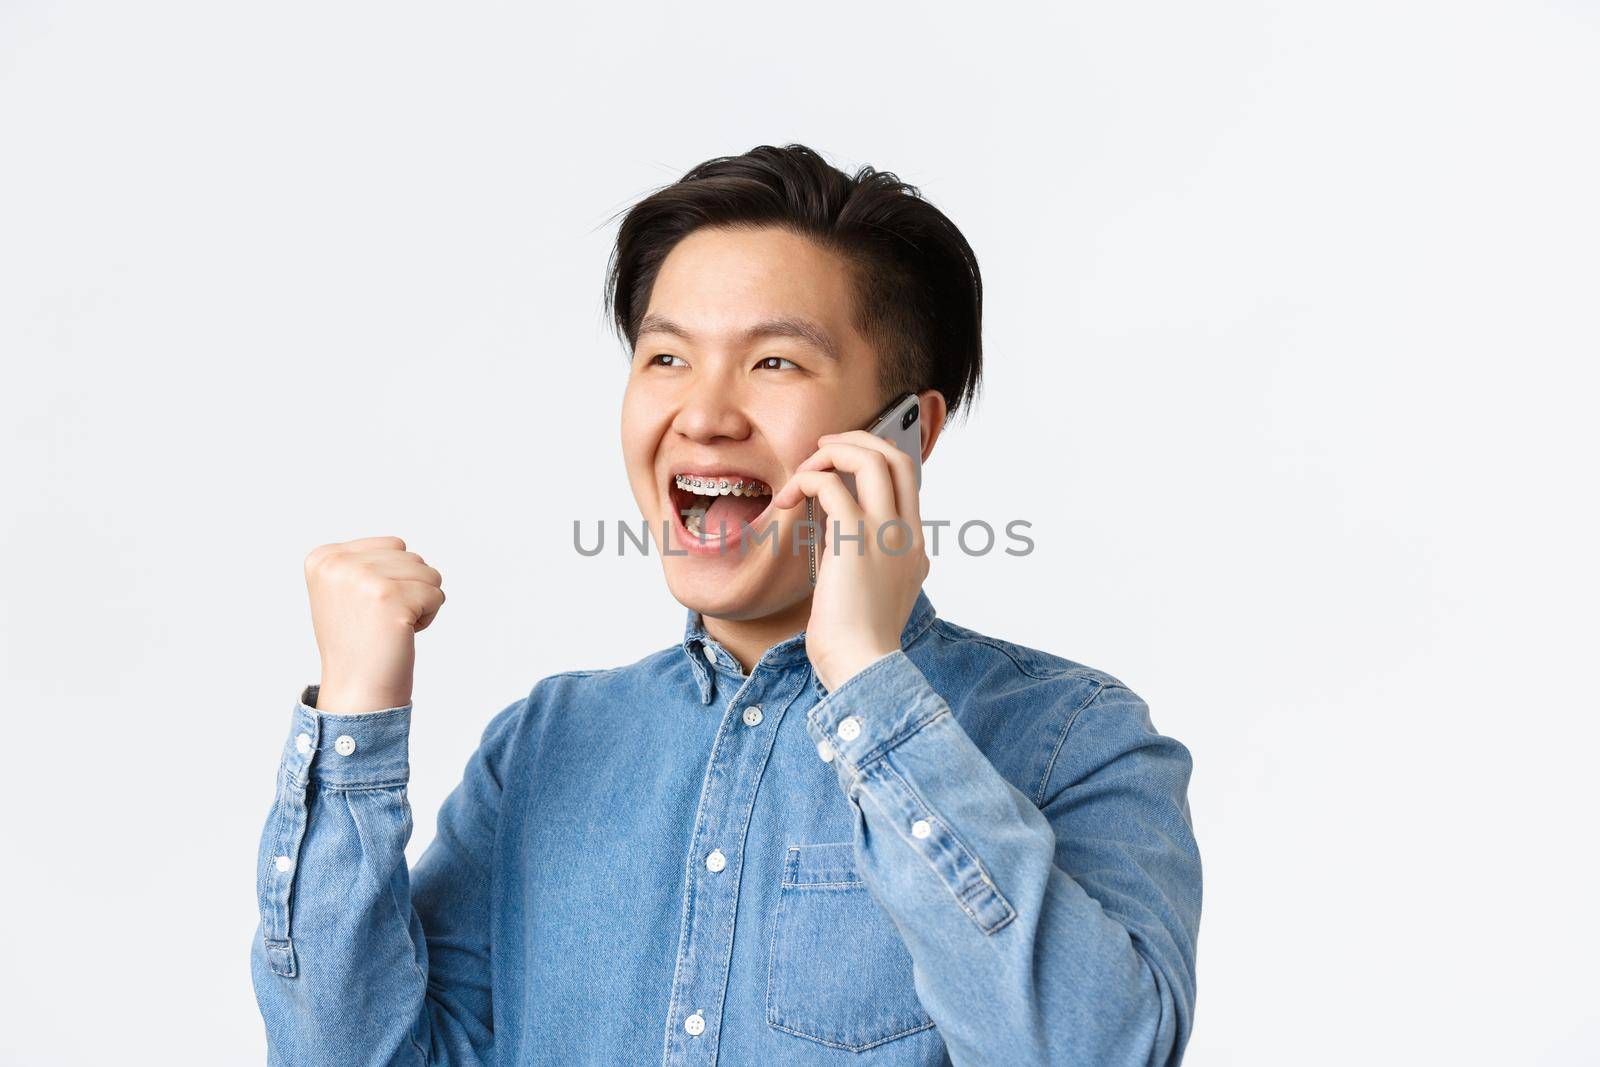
(726,386)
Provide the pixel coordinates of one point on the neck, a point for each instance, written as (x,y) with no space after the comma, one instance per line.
(748,639)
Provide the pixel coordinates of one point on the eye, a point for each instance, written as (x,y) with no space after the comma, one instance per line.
(655,360)
(770,363)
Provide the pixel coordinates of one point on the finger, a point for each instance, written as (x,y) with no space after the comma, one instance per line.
(362,543)
(788,495)
(379,555)
(874,481)
(356,547)
(403,568)
(424,599)
(901,466)
(830,492)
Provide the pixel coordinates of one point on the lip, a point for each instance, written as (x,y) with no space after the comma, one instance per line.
(716,544)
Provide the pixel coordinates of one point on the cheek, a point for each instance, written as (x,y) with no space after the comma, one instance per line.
(791,430)
(795,443)
(641,429)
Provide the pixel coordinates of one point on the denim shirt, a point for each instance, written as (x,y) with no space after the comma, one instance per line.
(971,852)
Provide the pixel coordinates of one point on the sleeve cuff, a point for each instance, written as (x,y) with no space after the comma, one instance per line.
(362,751)
(872,712)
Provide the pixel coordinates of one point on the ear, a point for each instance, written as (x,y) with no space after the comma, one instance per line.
(932,416)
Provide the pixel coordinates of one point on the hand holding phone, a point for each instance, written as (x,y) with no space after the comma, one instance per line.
(899,425)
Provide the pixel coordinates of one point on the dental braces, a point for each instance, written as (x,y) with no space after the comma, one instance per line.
(738,487)
(721,486)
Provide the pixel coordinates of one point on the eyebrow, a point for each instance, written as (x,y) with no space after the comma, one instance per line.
(783,326)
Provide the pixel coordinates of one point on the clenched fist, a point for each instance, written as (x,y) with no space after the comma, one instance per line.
(369,598)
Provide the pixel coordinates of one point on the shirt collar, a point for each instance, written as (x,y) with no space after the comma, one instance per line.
(790,650)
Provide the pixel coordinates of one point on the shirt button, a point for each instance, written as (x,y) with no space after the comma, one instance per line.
(284,863)
(920,828)
(850,728)
(695,1024)
(303,743)
(345,745)
(716,861)
(711,656)
(825,751)
(752,715)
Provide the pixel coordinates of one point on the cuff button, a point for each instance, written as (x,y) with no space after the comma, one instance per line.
(825,751)
(345,745)
(850,728)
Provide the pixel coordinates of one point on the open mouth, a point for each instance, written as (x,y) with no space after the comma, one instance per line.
(713,507)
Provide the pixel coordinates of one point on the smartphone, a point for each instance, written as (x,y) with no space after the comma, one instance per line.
(898,424)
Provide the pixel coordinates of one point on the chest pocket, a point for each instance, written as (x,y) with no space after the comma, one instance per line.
(837,972)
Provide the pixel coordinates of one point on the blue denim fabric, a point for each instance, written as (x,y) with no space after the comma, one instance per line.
(995,865)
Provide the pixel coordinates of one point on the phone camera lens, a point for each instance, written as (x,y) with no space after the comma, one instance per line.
(908,418)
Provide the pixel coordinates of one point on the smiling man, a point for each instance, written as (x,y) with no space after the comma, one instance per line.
(826,826)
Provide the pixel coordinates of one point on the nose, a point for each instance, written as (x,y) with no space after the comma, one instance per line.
(710,410)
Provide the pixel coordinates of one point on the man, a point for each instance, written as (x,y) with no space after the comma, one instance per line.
(826,826)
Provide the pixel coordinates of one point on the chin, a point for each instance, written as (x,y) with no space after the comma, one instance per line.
(731,589)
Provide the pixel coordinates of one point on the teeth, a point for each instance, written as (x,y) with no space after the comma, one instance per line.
(721,486)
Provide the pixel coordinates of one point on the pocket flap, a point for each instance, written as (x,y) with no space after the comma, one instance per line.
(831,863)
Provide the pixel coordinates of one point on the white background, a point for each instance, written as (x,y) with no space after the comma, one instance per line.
(1291,340)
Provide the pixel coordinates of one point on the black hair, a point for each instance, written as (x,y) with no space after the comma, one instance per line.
(919,295)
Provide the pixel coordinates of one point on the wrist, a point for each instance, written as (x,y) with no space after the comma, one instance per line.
(837,669)
(338,699)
